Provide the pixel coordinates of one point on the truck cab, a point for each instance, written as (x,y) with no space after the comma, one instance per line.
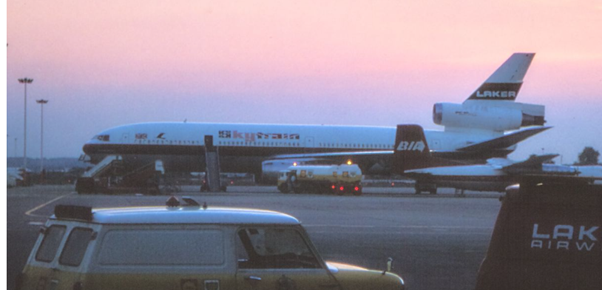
(547,236)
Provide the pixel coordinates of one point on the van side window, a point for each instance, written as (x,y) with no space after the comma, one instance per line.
(273,248)
(50,244)
(76,246)
(162,247)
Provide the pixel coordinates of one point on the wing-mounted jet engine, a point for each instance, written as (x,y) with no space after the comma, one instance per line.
(492,106)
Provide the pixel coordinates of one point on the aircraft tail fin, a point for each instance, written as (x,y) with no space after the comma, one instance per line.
(505,82)
(411,148)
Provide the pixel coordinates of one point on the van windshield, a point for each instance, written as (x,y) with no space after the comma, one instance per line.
(274,248)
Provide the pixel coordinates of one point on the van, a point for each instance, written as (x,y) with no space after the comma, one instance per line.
(184,247)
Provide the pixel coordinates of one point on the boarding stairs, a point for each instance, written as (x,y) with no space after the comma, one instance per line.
(87,183)
(142,177)
(212,172)
(102,166)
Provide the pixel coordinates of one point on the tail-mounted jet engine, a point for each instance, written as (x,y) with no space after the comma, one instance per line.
(509,116)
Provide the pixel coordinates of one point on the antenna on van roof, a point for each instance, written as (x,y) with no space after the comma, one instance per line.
(172,201)
(190,201)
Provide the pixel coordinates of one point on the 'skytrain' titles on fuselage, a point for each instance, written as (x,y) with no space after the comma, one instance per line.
(251,137)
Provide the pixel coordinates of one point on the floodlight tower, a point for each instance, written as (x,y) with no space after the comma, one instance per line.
(42,102)
(25,81)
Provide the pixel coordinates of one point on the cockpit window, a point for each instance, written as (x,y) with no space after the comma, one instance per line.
(104,138)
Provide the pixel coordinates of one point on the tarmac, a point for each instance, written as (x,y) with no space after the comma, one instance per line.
(436,241)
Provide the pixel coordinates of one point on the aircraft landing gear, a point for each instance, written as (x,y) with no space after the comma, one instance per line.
(459,192)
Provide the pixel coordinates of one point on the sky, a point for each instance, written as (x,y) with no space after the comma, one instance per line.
(107,63)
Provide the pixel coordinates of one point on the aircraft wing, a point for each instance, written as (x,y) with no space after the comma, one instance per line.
(533,161)
(367,159)
(375,162)
(342,154)
(503,141)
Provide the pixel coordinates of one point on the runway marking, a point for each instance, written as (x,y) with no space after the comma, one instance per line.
(36,223)
(29,212)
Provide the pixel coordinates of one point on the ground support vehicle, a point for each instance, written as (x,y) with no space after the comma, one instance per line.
(185,247)
(420,187)
(339,179)
(547,236)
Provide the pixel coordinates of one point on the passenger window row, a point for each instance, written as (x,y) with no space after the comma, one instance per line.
(266,144)
(346,145)
(260,144)
(169,142)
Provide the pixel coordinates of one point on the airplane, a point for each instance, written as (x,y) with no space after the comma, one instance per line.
(413,159)
(488,124)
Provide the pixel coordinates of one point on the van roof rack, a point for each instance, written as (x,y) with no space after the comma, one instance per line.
(76,212)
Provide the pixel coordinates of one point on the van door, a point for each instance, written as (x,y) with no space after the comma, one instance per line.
(71,261)
(278,258)
(41,268)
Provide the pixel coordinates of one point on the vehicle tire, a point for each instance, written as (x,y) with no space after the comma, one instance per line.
(332,189)
(339,191)
(325,189)
(433,190)
(417,190)
(357,192)
(84,185)
(283,188)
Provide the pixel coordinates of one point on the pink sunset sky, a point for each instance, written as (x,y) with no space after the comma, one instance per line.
(108,63)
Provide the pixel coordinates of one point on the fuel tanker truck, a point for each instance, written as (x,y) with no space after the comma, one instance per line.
(339,179)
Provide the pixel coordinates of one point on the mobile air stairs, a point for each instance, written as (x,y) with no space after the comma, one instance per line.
(212,181)
(111,176)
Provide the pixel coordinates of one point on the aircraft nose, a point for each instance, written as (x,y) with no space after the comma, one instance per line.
(88,148)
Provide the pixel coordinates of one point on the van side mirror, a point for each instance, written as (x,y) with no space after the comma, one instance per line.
(389,265)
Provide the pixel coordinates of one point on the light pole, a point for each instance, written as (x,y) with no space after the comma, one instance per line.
(14,148)
(25,81)
(42,102)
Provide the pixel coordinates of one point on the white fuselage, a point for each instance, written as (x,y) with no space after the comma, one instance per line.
(245,145)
